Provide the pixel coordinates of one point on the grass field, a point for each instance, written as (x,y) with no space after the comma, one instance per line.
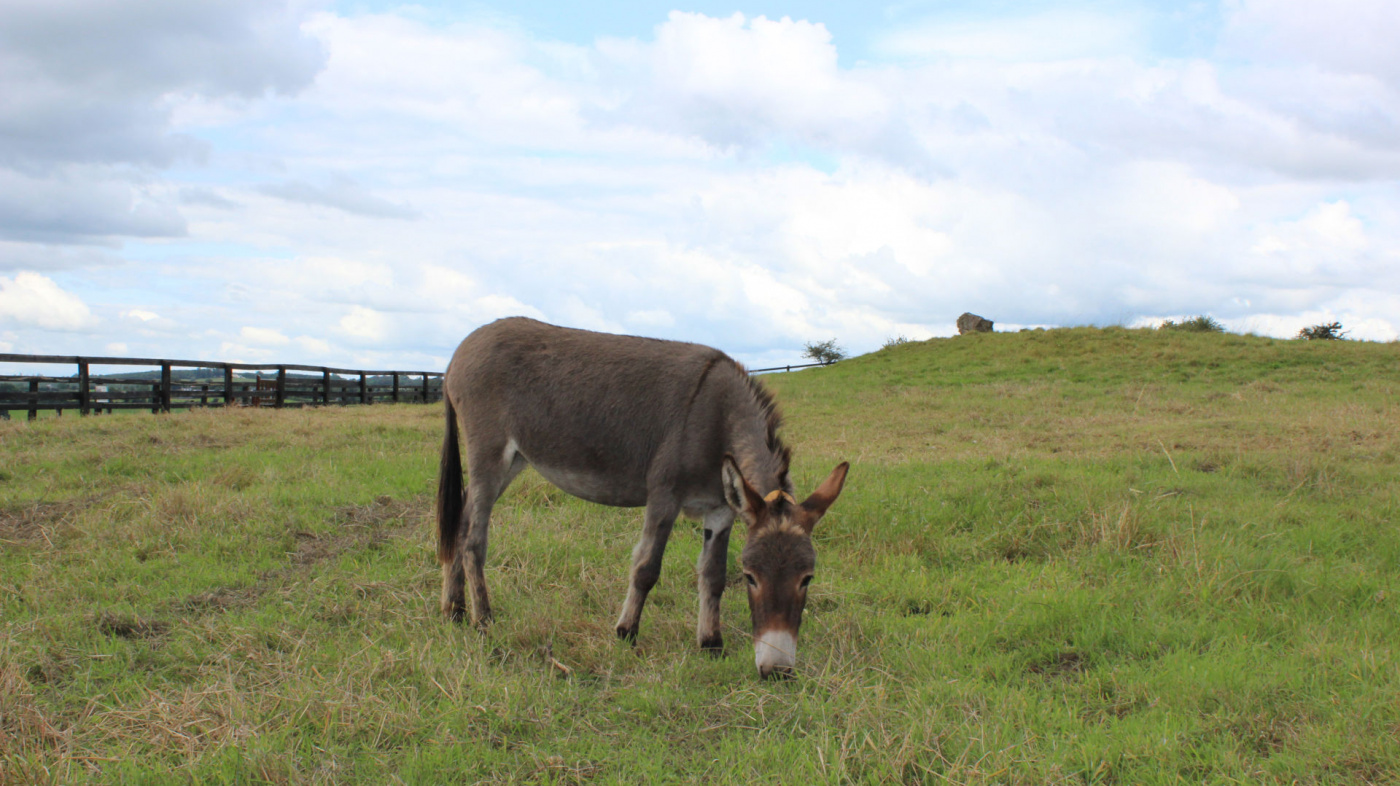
(1070,556)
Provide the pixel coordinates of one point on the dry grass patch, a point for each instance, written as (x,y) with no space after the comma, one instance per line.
(38,523)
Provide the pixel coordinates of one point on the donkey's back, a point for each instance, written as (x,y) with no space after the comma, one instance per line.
(594,413)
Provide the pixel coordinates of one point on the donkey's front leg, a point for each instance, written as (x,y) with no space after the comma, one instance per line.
(646,562)
(711,571)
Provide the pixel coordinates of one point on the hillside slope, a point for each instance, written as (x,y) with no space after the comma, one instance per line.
(1088,392)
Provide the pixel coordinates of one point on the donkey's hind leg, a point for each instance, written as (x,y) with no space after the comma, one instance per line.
(490,471)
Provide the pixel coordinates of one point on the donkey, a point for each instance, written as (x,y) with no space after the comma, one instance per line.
(630,422)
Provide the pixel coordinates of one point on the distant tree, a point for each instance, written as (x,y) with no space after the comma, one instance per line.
(1331,331)
(824,352)
(896,341)
(1198,324)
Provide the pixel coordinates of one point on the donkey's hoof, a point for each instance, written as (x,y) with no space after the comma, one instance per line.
(713,646)
(627,634)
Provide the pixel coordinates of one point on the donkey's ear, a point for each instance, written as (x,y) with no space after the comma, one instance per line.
(738,493)
(824,496)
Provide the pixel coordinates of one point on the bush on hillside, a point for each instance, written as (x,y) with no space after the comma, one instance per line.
(1198,324)
(824,352)
(896,341)
(1331,331)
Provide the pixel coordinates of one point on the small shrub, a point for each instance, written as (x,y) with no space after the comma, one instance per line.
(1331,331)
(1198,324)
(896,341)
(824,352)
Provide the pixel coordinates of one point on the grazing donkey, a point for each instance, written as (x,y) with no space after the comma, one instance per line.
(632,422)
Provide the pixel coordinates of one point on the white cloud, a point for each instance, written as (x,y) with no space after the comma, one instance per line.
(233,352)
(341,194)
(1349,36)
(117,349)
(82,205)
(1049,35)
(92,81)
(461,79)
(651,318)
(265,337)
(365,323)
(1167,198)
(314,346)
(44,257)
(1326,246)
(90,91)
(33,300)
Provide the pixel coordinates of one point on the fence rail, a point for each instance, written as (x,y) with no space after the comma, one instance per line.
(788,368)
(89,393)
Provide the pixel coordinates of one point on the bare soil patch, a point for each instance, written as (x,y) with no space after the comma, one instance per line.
(35,523)
(360,526)
(1061,664)
(220,600)
(131,627)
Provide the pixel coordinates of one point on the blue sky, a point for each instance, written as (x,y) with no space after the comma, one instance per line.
(365,182)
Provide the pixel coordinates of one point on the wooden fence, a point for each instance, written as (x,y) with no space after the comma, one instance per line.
(788,368)
(88,393)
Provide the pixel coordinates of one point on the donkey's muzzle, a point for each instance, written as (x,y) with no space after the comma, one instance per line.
(775,653)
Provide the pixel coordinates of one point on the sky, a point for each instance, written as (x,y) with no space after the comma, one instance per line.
(361,183)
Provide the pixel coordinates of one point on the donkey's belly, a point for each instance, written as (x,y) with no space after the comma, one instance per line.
(598,487)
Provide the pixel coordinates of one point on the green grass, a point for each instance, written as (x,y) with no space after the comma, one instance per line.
(1068,556)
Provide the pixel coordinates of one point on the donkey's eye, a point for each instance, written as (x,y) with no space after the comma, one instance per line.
(805,581)
(753,582)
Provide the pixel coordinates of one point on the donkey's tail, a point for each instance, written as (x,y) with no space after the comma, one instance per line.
(451,499)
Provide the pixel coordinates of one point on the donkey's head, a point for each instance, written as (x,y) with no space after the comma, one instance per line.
(778,560)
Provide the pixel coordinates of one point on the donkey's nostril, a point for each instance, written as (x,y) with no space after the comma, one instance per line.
(776,672)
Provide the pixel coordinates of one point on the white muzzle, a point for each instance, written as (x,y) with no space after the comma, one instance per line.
(775,652)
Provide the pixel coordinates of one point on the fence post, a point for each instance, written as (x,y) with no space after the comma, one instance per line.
(228,386)
(155,398)
(165,387)
(426,400)
(33,399)
(326,386)
(83,387)
(281,385)
(364,389)
(204,395)
(396,387)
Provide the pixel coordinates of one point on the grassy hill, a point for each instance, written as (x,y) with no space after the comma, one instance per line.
(1083,556)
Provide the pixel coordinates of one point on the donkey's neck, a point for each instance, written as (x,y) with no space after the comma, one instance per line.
(752,438)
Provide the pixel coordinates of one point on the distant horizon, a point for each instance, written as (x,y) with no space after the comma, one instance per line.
(18,369)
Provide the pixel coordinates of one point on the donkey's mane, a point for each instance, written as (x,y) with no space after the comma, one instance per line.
(768,409)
